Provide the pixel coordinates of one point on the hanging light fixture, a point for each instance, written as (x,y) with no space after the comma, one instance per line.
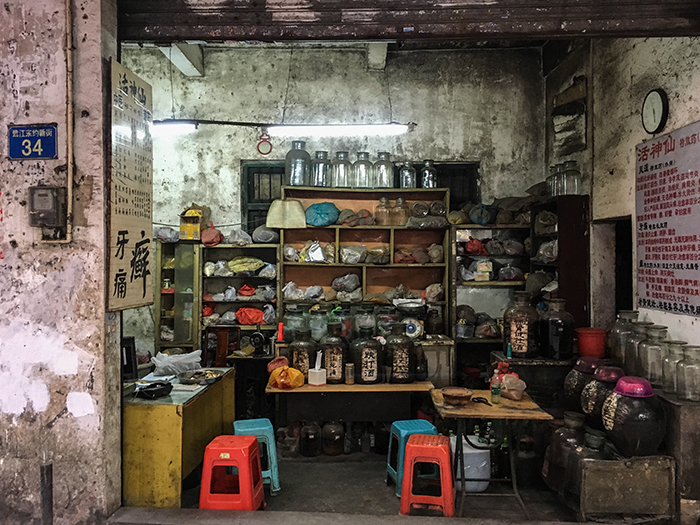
(338,130)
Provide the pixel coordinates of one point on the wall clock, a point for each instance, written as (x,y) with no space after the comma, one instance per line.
(655,111)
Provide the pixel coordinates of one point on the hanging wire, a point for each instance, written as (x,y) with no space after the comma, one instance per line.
(172,95)
(289,79)
(388,93)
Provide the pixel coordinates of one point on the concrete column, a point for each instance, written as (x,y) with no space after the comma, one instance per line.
(59,357)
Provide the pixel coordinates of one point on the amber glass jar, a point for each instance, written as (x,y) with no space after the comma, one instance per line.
(382,213)
(368,356)
(310,441)
(400,355)
(520,327)
(333,438)
(335,353)
(303,352)
(557,331)
(400,212)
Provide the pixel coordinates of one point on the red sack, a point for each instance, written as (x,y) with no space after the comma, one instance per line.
(207,311)
(246,290)
(276,363)
(211,236)
(475,247)
(249,316)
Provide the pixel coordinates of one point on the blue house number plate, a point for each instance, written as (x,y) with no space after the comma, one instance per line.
(33,142)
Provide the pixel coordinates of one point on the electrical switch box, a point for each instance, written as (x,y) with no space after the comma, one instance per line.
(47,206)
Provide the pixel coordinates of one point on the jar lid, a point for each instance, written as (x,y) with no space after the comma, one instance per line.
(608,374)
(634,387)
(587,364)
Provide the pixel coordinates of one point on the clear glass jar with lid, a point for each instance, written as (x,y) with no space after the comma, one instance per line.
(294,319)
(428,174)
(362,171)
(639,334)
(382,213)
(674,354)
(651,354)
(321,170)
(407,175)
(297,164)
(571,179)
(318,323)
(618,334)
(520,327)
(550,181)
(400,212)
(364,318)
(557,331)
(688,373)
(384,171)
(342,170)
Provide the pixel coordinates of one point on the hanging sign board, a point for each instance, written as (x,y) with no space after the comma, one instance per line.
(130,192)
(668,221)
(35,141)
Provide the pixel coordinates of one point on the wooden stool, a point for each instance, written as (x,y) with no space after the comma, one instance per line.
(434,493)
(231,475)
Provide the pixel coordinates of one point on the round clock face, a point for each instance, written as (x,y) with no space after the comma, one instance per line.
(655,111)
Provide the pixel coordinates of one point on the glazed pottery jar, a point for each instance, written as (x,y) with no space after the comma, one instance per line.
(577,379)
(597,391)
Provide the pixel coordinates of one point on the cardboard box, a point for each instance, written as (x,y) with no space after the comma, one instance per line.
(193,220)
(484,266)
(482,276)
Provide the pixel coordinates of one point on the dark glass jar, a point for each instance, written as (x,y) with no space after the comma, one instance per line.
(634,418)
(520,327)
(400,355)
(597,391)
(434,324)
(368,356)
(557,331)
(303,352)
(564,441)
(593,443)
(335,353)
(310,440)
(421,364)
(576,380)
(333,438)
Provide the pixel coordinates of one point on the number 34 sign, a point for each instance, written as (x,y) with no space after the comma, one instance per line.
(36,141)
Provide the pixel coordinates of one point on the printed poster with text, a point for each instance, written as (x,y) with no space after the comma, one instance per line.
(131,192)
(668,222)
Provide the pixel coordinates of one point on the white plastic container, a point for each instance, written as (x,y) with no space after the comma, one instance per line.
(477,465)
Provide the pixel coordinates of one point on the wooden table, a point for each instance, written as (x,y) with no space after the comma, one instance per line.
(164,439)
(507,410)
(379,402)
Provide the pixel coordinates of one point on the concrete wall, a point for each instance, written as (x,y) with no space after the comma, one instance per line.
(59,358)
(623,72)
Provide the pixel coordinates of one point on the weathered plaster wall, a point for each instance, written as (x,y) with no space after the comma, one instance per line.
(481,105)
(59,359)
(623,72)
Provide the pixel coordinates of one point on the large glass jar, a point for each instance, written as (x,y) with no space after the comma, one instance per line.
(368,356)
(294,319)
(321,170)
(303,352)
(318,324)
(382,213)
(335,353)
(342,170)
(362,171)
(297,164)
(400,212)
(364,318)
(597,391)
(564,441)
(400,355)
(571,178)
(550,181)
(520,327)
(428,174)
(674,354)
(688,372)
(557,331)
(344,317)
(639,334)
(386,317)
(333,438)
(310,441)
(407,175)
(651,354)
(618,334)
(576,380)
(435,323)
(384,171)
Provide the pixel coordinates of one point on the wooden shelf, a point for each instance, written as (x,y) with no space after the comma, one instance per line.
(238,246)
(417,386)
(490,227)
(502,284)
(370,265)
(479,340)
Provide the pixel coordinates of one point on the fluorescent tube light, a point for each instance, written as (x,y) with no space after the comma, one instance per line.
(173,128)
(338,130)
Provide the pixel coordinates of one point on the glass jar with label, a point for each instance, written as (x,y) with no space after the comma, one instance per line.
(362,171)
(384,171)
(297,164)
(673,355)
(400,212)
(321,170)
(651,354)
(407,175)
(520,327)
(335,353)
(382,213)
(400,355)
(303,352)
(368,356)
(428,174)
(342,170)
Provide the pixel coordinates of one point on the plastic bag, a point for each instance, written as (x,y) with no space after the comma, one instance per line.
(269,271)
(347,283)
(329,252)
(420,256)
(537,280)
(243,263)
(488,330)
(267,292)
(512,247)
(169,365)
(483,214)
(350,297)
(313,253)
(548,252)
(211,236)
(169,263)
(276,363)
(475,247)
(168,234)
(464,274)
(545,222)
(228,318)
(457,217)
(292,292)
(249,316)
(378,255)
(434,293)
(238,237)
(286,377)
(494,247)
(212,319)
(427,223)
(218,297)
(290,253)
(322,214)
(209,268)
(166,333)
(436,252)
(510,273)
(269,314)
(230,294)
(312,293)
(504,217)
(221,270)
(264,235)
(512,387)
(353,255)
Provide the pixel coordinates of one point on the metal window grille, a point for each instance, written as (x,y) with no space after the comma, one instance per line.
(262,183)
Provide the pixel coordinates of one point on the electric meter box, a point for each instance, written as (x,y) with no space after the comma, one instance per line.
(47,207)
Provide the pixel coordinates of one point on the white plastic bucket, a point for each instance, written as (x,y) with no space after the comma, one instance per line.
(477,465)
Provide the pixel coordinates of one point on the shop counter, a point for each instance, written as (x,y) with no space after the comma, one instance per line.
(164,439)
(378,402)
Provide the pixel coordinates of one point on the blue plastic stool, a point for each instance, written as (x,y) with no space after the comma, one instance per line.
(262,429)
(400,431)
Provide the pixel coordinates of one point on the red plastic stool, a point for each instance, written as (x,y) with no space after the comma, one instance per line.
(231,475)
(433,492)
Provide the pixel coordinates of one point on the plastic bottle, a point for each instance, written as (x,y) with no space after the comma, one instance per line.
(496,388)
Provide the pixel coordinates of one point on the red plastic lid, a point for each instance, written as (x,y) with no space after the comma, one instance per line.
(608,374)
(634,387)
(587,364)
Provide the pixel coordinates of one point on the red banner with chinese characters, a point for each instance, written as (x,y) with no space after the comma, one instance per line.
(668,222)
